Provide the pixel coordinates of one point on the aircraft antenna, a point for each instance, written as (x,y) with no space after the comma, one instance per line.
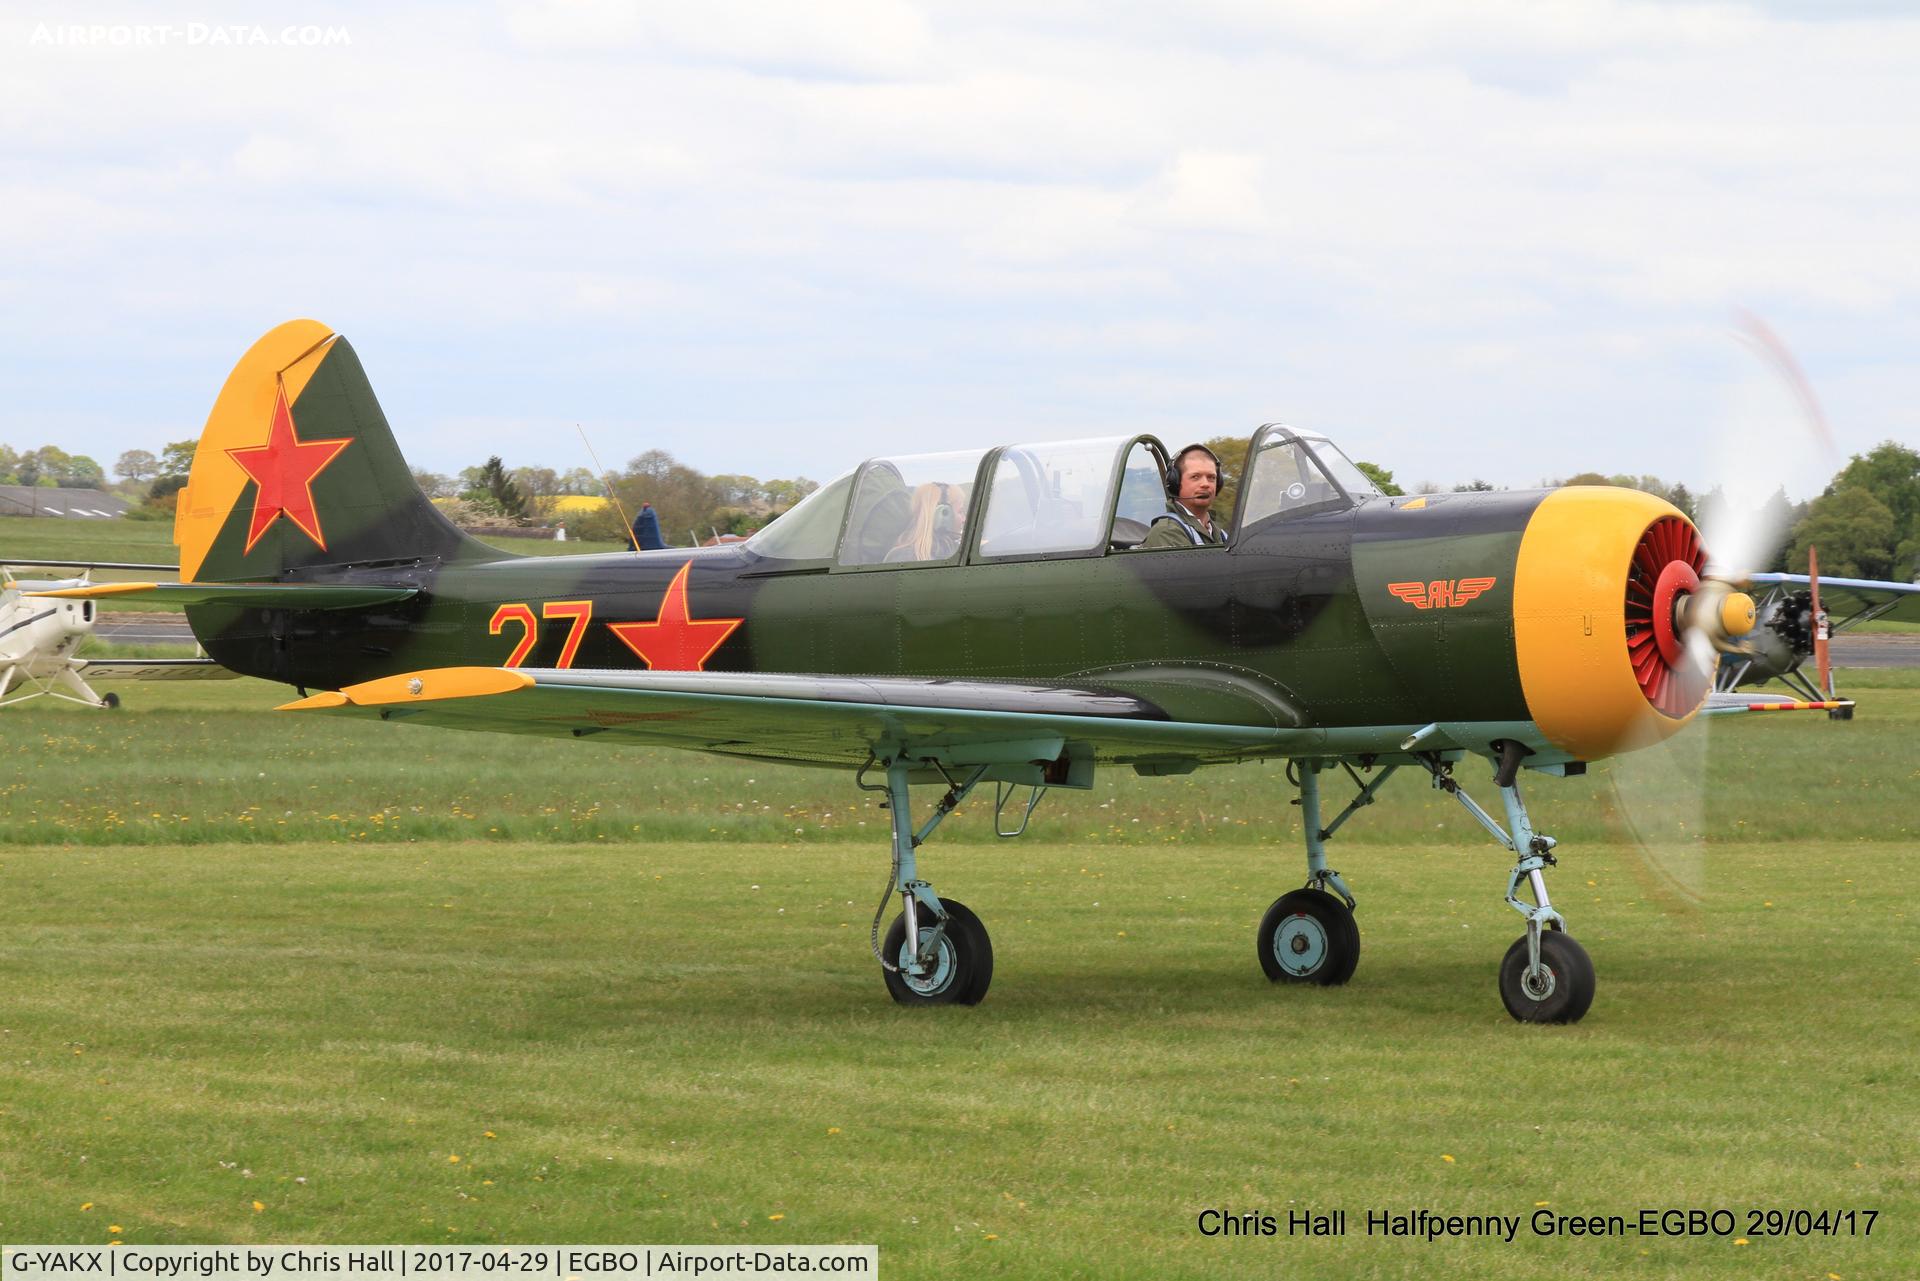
(608,485)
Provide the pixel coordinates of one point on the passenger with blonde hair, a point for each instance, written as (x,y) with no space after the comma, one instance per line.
(934,521)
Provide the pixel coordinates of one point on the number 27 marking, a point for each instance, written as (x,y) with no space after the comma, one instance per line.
(578,613)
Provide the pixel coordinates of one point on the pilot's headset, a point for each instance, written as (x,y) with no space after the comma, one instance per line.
(1175,465)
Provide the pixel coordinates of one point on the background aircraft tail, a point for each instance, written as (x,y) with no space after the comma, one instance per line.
(298,470)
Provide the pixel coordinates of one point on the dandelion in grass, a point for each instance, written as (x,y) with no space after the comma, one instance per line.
(775,1218)
(258,1207)
(1447,1157)
(86,1205)
(453,1158)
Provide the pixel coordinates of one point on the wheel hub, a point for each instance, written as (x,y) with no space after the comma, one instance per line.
(937,975)
(1300,945)
(1537,984)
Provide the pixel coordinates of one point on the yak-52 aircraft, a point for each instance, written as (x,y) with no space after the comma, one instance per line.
(41,641)
(983,616)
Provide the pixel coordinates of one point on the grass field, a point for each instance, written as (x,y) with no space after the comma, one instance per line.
(305,964)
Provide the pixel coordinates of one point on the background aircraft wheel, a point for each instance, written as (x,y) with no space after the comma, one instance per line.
(1568,990)
(962,960)
(109,701)
(1839,713)
(1309,937)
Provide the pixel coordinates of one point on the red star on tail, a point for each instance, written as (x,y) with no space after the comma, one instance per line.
(673,642)
(284,469)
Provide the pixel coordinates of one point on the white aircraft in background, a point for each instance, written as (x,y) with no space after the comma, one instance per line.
(40,637)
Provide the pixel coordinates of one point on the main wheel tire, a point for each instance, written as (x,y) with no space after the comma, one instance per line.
(109,700)
(1568,990)
(962,960)
(1309,937)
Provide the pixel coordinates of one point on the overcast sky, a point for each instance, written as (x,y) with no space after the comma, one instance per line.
(1485,239)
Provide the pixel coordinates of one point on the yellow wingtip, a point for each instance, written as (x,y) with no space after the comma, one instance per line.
(426,686)
(436,683)
(314,702)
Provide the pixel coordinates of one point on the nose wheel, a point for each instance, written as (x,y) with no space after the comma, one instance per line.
(1558,990)
(1545,977)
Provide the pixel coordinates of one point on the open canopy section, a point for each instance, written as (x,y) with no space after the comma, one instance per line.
(1298,473)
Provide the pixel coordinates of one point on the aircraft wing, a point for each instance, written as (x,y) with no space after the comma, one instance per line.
(1855,600)
(839,720)
(1736,701)
(155,669)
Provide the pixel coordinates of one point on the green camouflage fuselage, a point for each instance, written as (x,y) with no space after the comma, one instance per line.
(1292,626)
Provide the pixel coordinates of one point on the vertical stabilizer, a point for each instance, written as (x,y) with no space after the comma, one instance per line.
(298,470)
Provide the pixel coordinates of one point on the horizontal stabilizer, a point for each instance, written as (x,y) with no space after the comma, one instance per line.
(247,595)
(141,566)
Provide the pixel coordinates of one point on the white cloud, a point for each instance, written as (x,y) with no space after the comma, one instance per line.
(1495,239)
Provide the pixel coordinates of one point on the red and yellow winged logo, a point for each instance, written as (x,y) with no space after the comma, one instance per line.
(1442,593)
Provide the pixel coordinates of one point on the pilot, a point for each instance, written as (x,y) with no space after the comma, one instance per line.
(1192,480)
(934,523)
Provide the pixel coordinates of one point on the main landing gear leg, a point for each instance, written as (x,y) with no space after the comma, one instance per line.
(937,951)
(1309,935)
(1545,976)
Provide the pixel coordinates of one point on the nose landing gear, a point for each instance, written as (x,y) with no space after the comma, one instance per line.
(1545,976)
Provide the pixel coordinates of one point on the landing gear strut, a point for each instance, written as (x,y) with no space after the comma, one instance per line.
(1545,976)
(936,952)
(1309,934)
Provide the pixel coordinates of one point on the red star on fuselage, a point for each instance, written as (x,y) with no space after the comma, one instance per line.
(673,642)
(283,469)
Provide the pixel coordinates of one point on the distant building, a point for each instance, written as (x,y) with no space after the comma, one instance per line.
(63,504)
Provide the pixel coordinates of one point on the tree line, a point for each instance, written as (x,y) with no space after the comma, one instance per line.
(691,505)
(50,467)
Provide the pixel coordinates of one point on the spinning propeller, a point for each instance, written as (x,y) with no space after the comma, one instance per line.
(1686,605)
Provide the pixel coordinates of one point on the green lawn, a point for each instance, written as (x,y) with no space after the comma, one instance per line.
(210,763)
(307,963)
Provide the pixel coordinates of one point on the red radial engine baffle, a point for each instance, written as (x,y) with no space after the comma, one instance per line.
(1666,566)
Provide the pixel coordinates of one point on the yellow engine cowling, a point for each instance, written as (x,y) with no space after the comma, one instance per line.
(1602,664)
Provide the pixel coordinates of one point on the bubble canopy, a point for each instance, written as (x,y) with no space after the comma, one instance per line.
(1050,500)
